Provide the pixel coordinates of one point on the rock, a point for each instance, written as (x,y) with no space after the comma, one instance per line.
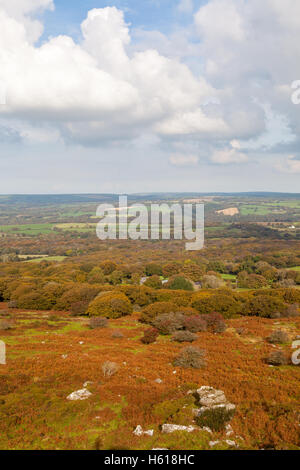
(207,429)
(86,384)
(158,381)
(82,394)
(213,443)
(229,430)
(210,398)
(139,431)
(231,443)
(169,428)
(64,356)
(81,342)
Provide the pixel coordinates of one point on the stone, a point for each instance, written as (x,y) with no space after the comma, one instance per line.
(210,398)
(169,428)
(82,394)
(140,432)
(213,443)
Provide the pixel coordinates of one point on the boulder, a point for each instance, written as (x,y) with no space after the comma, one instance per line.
(82,394)
(169,428)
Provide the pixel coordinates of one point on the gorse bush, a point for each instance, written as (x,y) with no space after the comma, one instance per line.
(153,310)
(110,305)
(154,282)
(190,357)
(263,306)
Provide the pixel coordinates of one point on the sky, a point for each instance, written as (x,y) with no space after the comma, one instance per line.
(150,95)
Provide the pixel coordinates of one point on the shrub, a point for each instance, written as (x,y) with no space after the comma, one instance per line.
(6,325)
(110,305)
(139,295)
(154,282)
(251,281)
(263,306)
(34,300)
(98,322)
(190,357)
(223,302)
(215,322)
(195,324)
(184,337)
(277,358)
(117,334)
(179,283)
(292,311)
(168,323)
(153,268)
(215,418)
(77,293)
(150,336)
(109,368)
(150,312)
(212,282)
(79,308)
(278,337)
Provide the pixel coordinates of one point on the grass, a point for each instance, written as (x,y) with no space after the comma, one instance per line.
(27,229)
(231,277)
(46,258)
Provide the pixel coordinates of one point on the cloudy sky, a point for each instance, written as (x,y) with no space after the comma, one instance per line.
(149,95)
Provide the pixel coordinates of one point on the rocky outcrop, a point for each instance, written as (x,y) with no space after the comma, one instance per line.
(209,398)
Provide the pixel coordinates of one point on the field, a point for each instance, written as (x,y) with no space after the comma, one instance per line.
(50,355)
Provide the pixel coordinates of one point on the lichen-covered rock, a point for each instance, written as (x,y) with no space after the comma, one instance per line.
(82,394)
(140,432)
(169,428)
(210,398)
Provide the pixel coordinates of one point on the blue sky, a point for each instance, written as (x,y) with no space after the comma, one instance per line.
(152,95)
(149,14)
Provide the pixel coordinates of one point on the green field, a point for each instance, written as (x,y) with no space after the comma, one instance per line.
(27,229)
(46,258)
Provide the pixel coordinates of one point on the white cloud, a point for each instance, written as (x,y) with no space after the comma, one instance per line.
(95,90)
(184,160)
(220,19)
(229,155)
(289,165)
